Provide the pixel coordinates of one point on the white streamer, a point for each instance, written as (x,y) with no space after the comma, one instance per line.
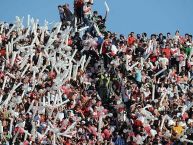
(10,30)
(107,7)
(14,54)
(131,67)
(161,71)
(24,71)
(4,82)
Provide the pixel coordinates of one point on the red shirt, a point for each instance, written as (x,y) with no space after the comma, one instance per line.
(131,40)
(106,134)
(167,51)
(138,123)
(153,58)
(2,52)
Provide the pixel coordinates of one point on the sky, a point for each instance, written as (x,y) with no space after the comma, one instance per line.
(125,16)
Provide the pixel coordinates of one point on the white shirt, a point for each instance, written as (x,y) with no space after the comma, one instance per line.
(164,61)
(114,49)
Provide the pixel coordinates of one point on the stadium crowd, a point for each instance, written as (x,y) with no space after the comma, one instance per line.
(79,83)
